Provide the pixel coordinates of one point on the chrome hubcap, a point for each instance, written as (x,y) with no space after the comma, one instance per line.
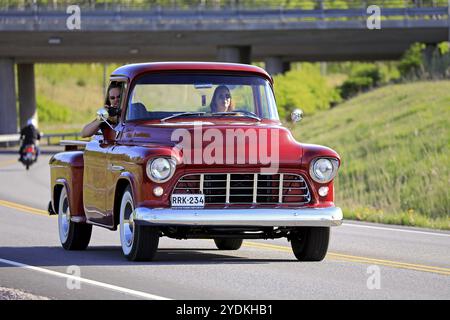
(64,219)
(128,225)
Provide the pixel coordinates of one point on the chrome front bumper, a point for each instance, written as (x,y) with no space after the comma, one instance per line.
(307,217)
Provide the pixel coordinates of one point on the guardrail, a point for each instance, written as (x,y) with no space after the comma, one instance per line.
(119,5)
(12,139)
(224,19)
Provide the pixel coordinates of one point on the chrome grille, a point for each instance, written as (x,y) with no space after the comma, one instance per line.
(246,188)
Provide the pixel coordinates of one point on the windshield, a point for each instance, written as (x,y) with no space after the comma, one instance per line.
(166,96)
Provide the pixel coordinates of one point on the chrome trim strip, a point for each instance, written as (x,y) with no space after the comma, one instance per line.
(280,188)
(78,219)
(202,181)
(112,167)
(227,189)
(255,187)
(308,217)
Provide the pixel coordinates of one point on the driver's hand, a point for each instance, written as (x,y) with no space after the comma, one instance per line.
(111,119)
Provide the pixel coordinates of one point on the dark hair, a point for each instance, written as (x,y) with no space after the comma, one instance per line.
(112,85)
(213,100)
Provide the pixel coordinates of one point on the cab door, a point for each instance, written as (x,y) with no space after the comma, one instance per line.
(94,179)
(96,182)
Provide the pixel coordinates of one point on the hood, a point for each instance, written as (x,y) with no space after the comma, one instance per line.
(213,143)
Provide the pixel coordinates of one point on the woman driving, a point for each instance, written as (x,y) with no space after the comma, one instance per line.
(221,100)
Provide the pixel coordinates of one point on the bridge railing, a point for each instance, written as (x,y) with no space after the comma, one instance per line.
(118,5)
(190,19)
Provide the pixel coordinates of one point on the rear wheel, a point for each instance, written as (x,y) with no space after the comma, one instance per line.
(228,244)
(139,243)
(310,243)
(73,236)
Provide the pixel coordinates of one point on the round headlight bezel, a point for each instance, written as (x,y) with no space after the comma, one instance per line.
(149,169)
(334,164)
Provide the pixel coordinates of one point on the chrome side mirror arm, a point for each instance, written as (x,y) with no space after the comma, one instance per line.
(102,115)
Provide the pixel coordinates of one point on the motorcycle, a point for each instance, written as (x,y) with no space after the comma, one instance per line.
(29,155)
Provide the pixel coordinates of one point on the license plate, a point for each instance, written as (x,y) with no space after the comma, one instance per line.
(187,200)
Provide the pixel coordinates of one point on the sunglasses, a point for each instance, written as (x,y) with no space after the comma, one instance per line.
(226,96)
(114,97)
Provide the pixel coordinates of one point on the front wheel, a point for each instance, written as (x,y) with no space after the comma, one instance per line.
(73,236)
(310,243)
(139,243)
(228,244)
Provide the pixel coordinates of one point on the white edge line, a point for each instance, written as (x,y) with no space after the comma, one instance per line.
(91,282)
(395,229)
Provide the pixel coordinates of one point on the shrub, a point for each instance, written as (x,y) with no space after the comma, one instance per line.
(411,63)
(424,63)
(50,112)
(355,85)
(81,83)
(306,89)
(362,77)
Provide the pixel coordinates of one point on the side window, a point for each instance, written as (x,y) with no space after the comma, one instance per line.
(137,108)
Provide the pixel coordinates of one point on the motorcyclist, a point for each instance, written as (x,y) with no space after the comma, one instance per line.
(28,135)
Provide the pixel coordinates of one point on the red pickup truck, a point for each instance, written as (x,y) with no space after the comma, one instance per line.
(198,151)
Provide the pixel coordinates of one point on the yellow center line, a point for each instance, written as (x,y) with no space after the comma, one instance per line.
(23,208)
(340,255)
(344,256)
(330,255)
(350,258)
(393,265)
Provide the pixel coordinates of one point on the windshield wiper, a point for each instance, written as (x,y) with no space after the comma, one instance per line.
(182,114)
(237,113)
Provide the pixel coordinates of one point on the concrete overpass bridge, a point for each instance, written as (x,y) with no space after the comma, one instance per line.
(275,36)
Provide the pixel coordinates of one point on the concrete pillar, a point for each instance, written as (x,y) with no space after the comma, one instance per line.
(236,54)
(323,68)
(275,65)
(8,112)
(286,66)
(27,93)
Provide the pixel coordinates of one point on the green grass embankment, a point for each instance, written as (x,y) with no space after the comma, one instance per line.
(394,143)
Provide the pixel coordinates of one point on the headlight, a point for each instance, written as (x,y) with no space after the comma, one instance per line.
(323,170)
(160,169)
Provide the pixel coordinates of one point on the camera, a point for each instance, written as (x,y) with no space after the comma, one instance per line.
(113,111)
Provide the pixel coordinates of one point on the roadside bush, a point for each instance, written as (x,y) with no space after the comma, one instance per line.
(81,83)
(411,63)
(355,85)
(306,89)
(362,78)
(424,63)
(365,76)
(50,112)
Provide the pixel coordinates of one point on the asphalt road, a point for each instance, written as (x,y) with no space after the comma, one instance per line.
(365,261)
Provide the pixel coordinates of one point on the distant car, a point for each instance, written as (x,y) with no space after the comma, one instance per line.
(174,166)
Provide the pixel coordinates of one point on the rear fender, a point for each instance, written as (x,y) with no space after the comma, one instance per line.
(66,170)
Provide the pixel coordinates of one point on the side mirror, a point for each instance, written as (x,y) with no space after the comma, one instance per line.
(296,115)
(103,115)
